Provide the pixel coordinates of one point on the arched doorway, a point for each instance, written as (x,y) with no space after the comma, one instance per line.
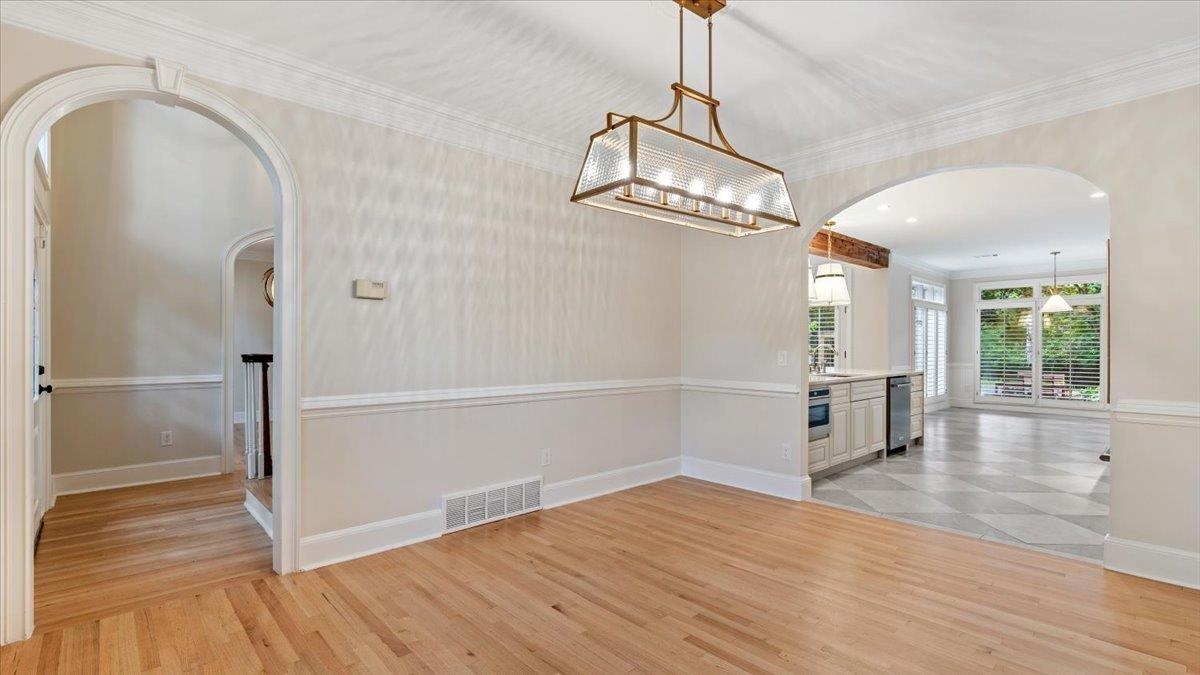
(25,123)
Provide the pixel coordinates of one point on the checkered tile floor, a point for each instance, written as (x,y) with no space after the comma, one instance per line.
(1011,477)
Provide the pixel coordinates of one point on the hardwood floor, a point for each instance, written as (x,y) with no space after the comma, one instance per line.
(105,552)
(677,576)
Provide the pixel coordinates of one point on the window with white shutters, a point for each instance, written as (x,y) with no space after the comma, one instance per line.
(1006,352)
(823,337)
(1071,354)
(929,335)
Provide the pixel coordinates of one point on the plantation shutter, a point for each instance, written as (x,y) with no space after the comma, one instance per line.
(1006,352)
(822,337)
(1071,354)
(929,342)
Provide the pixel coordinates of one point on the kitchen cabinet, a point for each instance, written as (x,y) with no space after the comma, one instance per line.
(877,424)
(839,429)
(818,455)
(860,442)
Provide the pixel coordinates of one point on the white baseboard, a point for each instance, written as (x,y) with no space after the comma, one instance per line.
(756,480)
(1169,565)
(327,548)
(940,405)
(597,484)
(136,474)
(260,514)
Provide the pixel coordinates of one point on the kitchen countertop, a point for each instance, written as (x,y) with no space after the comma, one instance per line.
(845,376)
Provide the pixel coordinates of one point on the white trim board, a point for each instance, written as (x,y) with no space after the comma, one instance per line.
(573,490)
(1096,413)
(1170,565)
(425,399)
(135,474)
(140,32)
(327,548)
(90,385)
(1167,413)
(794,487)
(770,389)
(260,513)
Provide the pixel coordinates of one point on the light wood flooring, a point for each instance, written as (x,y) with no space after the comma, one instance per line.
(106,552)
(677,576)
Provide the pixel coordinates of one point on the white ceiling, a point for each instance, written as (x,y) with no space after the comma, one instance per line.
(790,74)
(1022,213)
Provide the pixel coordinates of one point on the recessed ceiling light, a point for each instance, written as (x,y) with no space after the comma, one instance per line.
(988,255)
(1098,194)
(910,219)
(883,207)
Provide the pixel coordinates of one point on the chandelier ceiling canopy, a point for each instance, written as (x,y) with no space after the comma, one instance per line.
(646,168)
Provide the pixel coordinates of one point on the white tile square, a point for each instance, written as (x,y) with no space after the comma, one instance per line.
(901,501)
(1059,503)
(1096,468)
(964,469)
(1037,529)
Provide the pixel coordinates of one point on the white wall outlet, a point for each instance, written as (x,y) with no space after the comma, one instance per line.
(545,458)
(781,357)
(166,438)
(785,450)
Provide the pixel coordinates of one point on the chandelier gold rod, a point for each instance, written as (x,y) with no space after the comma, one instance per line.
(680,64)
(710,93)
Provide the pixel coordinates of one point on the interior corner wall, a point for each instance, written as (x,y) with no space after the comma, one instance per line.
(145,199)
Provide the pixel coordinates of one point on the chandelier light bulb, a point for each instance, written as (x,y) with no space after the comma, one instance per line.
(664,178)
(753,202)
(725,195)
(696,187)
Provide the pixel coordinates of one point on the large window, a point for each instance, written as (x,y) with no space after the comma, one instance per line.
(929,335)
(1025,356)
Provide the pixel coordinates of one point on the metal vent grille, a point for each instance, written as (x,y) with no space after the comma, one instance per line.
(484,505)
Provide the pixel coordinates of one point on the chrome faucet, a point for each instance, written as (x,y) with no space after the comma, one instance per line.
(814,357)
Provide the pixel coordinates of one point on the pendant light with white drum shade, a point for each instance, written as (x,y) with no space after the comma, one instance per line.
(829,283)
(1055,303)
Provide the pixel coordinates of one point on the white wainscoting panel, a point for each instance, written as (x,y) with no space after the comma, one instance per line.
(598,484)
(136,474)
(793,487)
(92,385)
(1171,565)
(318,550)
(961,385)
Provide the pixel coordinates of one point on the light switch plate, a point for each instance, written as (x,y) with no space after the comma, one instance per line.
(369,289)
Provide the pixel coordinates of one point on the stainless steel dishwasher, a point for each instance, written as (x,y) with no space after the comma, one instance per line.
(899,403)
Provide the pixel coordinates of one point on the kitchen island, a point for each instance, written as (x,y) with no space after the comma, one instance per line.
(858,415)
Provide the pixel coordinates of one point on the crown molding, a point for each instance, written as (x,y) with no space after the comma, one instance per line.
(1170,66)
(144,34)
(1098,266)
(140,33)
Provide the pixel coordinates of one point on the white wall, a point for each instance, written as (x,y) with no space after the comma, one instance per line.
(145,199)
(252,316)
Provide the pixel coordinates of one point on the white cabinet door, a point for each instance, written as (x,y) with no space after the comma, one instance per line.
(878,424)
(818,455)
(839,434)
(859,428)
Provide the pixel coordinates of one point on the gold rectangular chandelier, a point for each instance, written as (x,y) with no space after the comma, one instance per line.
(645,168)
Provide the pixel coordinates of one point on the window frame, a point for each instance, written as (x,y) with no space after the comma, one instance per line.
(944,306)
(843,323)
(1037,400)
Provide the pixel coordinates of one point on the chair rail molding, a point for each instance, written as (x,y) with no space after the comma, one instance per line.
(1168,413)
(27,119)
(91,385)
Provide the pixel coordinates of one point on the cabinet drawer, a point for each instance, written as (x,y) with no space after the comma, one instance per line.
(916,403)
(860,391)
(818,454)
(839,393)
(915,424)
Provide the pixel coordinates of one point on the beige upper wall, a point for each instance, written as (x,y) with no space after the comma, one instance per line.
(145,201)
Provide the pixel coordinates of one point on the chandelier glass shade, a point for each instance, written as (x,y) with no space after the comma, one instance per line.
(828,287)
(644,167)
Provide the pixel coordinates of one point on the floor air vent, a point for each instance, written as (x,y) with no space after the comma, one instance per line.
(476,507)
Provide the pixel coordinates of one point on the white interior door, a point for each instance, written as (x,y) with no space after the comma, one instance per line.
(42,495)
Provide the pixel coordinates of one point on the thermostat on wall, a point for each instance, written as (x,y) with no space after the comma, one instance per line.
(369,289)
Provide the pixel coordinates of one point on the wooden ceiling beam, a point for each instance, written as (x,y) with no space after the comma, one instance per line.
(850,250)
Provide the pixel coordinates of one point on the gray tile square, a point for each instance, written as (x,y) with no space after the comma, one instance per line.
(841,498)
(1070,484)
(1006,483)
(983,502)
(1097,524)
(868,481)
(1096,468)
(909,501)
(964,469)
(1041,529)
(1059,503)
(936,482)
